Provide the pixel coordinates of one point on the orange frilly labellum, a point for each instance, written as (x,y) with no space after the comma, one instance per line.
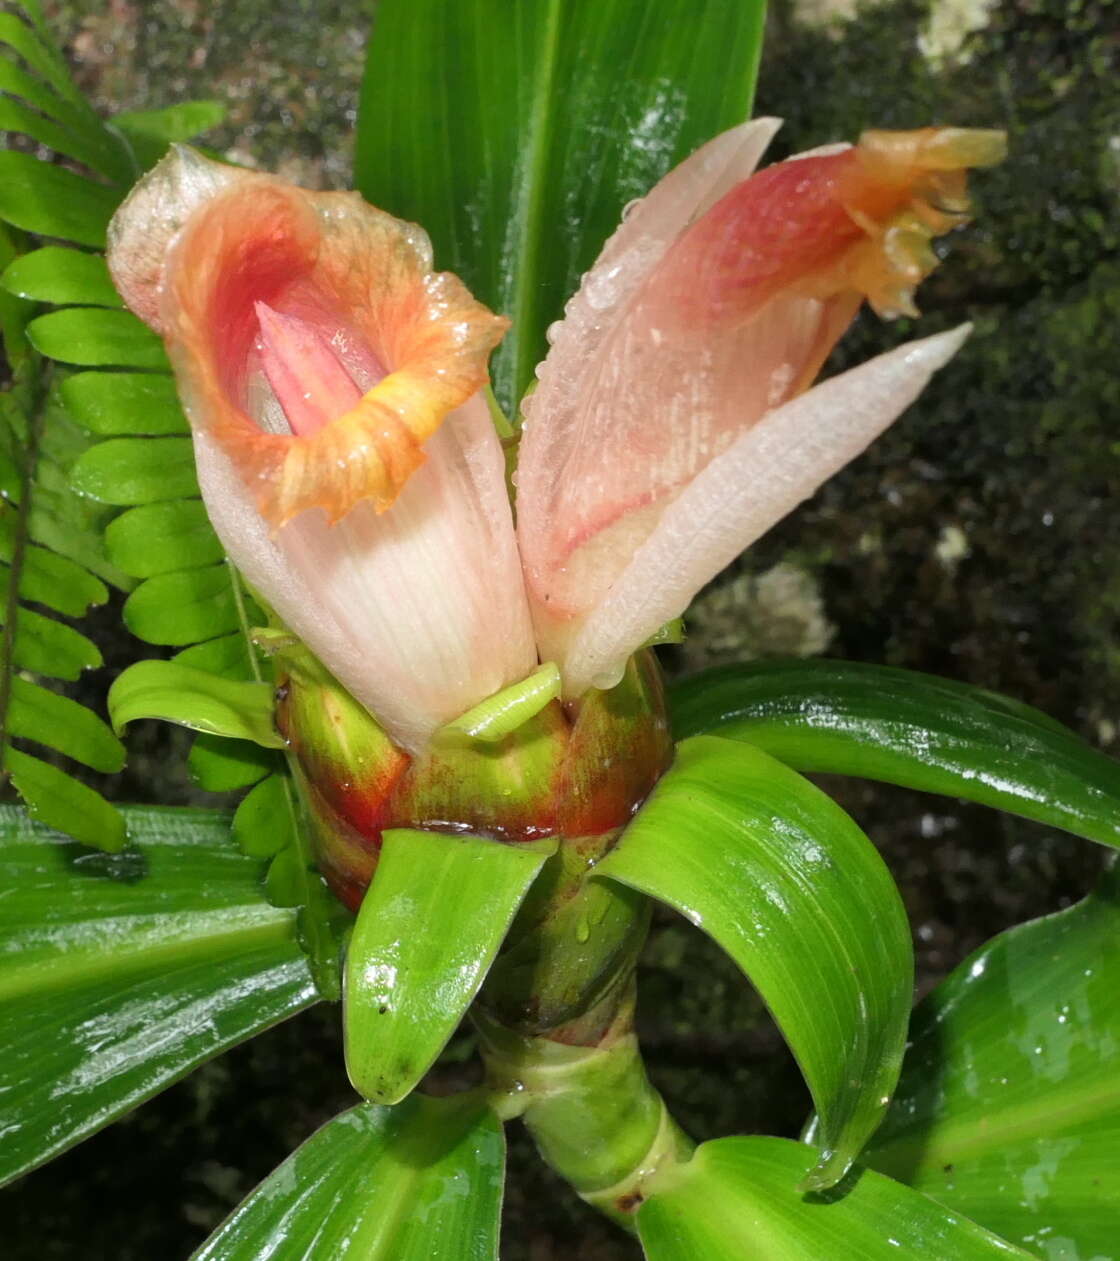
(399,345)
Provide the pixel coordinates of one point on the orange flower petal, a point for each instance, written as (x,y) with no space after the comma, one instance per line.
(414,341)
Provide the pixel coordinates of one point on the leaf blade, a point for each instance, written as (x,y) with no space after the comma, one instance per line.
(775,872)
(737,1198)
(1008,1108)
(601,106)
(374,1183)
(910,729)
(403,994)
(131,970)
(194,699)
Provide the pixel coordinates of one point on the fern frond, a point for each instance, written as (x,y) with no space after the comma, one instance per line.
(112,436)
(58,307)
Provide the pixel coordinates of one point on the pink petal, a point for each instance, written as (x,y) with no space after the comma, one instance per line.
(742,493)
(420,611)
(306,375)
(571,466)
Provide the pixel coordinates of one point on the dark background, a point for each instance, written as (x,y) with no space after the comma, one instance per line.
(978,539)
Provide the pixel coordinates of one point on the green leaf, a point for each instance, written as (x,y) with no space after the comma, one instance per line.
(47,578)
(517,134)
(183,607)
(220,765)
(150,131)
(404,991)
(128,471)
(226,656)
(18,118)
(47,647)
(51,201)
(911,729)
(161,537)
(783,879)
(56,721)
(192,698)
(121,974)
(97,338)
(61,276)
(111,403)
(261,824)
(418,1182)
(736,1198)
(1008,1108)
(57,801)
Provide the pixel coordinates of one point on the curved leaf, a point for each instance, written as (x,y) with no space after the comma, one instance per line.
(404,990)
(220,765)
(129,471)
(790,887)
(517,136)
(184,607)
(736,1198)
(418,1182)
(57,801)
(1008,1108)
(195,699)
(911,729)
(161,537)
(34,713)
(58,275)
(93,337)
(120,974)
(51,201)
(111,403)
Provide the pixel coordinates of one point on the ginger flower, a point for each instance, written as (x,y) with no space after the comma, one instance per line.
(346,454)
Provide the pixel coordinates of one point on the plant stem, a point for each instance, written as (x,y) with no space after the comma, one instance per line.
(592,1111)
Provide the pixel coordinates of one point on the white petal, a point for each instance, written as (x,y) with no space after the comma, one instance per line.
(141,231)
(743,493)
(419,611)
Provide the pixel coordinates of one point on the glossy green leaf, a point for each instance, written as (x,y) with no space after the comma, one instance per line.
(161,537)
(194,699)
(59,801)
(405,991)
(79,138)
(418,1182)
(121,974)
(96,338)
(220,765)
(26,35)
(149,132)
(517,136)
(737,1199)
(261,824)
(911,729)
(34,713)
(129,471)
(111,403)
(172,123)
(61,276)
(183,607)
(19,118)
(1008,1108)
(226,656)
(47,647)
(52,92)
(47,578)
(51,201)
(781,877)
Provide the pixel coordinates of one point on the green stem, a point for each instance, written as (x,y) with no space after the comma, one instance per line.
(592,1111)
